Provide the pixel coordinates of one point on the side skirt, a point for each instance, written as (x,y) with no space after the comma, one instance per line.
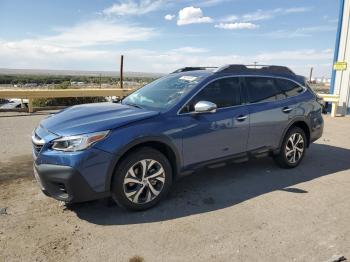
(233,159)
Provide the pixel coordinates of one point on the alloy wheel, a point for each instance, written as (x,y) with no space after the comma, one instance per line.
(144,181)
(295,147)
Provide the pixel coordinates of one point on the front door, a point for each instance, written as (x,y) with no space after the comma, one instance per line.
(210,136)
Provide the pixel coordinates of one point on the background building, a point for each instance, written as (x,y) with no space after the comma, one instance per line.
(341,77)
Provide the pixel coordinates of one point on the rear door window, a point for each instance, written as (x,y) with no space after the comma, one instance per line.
(263,89)
(289,88)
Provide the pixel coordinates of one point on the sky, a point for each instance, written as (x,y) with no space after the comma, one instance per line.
(160,36)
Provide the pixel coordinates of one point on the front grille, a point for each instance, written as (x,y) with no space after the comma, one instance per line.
(37,148)
(38,143)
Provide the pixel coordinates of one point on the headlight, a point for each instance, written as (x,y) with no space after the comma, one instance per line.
(78,143)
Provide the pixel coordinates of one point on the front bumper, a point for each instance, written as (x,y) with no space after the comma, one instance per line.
(65,183)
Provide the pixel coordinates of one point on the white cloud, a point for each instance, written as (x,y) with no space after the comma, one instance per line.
(300,60)
(231,18)
(169,17)
(321,28)
(39,54)
(296,55)
(300,32)
(235,26)
(192,15)
(280,34)
(257,16)
(71,46)
(82,35)
(99,32)
(260,14)
(295,10)
(211,2)
(24,54)
(189,49)
(132,7)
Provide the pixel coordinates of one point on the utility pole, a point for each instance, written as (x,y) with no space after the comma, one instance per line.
(311,70)
(121,70)
(255,64)
(100,80)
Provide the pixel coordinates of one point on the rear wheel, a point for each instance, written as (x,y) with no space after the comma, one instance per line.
(293,148)
(142,179)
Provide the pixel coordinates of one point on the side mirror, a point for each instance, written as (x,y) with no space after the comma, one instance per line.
(205,107)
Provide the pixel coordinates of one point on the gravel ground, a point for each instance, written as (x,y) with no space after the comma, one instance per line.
(246,212)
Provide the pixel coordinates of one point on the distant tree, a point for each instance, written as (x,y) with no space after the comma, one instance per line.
(64,85)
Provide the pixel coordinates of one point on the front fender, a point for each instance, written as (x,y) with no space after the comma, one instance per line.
(137,143)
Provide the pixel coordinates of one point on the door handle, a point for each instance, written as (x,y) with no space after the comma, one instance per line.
(241,118)
(286,109)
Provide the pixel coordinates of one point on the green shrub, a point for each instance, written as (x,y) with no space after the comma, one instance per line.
(66,101)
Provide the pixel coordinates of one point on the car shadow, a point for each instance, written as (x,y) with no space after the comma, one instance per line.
(214,189)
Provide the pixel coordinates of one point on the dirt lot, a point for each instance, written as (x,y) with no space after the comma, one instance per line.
(247,212)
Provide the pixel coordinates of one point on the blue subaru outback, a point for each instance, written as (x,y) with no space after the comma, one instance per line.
(195,117)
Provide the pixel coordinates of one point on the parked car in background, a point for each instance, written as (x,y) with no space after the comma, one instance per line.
(190,119)
(3,101)
(14,104)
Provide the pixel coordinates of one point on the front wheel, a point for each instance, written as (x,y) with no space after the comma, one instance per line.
(293,148)
(142,179)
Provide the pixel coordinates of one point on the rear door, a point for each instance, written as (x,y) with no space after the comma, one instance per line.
(270,109)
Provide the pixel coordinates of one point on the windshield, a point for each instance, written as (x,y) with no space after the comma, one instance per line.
(162,93)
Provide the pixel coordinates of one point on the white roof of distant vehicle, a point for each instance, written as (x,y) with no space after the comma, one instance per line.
(18,100)
(12,104)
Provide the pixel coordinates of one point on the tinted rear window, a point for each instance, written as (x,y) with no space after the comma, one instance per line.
(263,89)
(290,88)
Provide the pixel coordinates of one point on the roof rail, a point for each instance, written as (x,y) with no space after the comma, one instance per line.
(192,68)
(255,68)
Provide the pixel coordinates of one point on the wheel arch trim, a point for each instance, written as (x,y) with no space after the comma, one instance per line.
(139,142)
(291,123)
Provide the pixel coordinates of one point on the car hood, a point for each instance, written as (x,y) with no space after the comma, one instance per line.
(91,118)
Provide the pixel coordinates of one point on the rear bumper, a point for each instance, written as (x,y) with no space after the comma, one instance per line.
(65,183)
(317,130)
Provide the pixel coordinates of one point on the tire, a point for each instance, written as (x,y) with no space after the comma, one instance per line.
(292,153)
(136,189)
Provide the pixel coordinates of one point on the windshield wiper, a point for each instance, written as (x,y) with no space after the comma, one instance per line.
(134,105)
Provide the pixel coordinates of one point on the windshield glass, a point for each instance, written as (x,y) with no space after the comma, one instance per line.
(161,94)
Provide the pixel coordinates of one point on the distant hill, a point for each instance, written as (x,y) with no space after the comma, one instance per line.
(6,71)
